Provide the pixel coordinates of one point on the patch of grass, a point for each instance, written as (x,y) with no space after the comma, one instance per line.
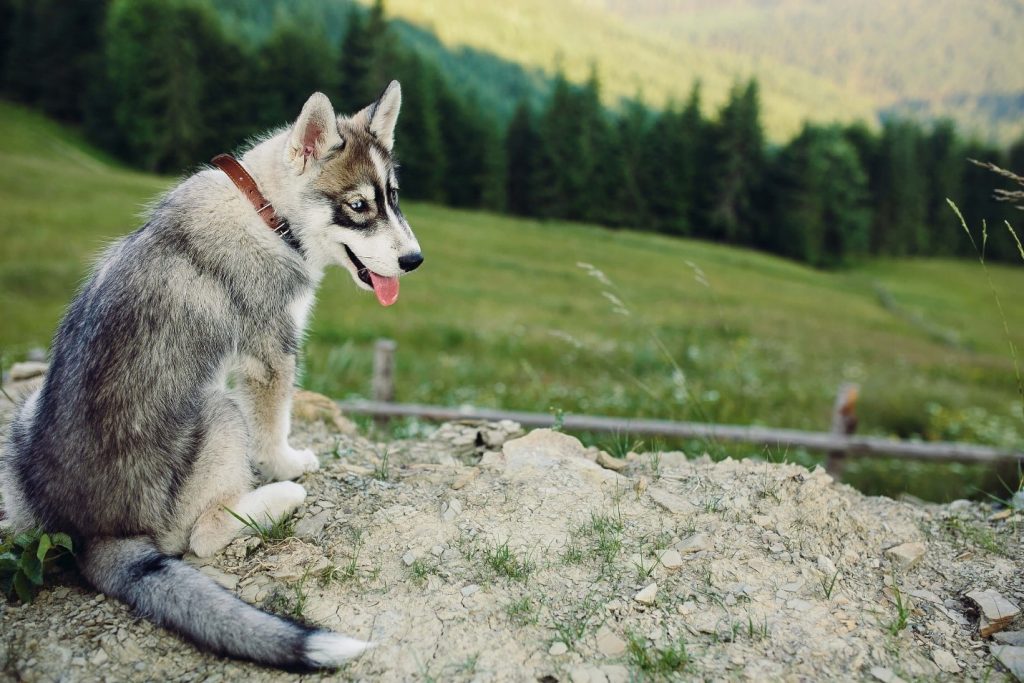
(757,631)
(654,661)
(505,562)
(348,571)
(273,530)
(828,584)
(26,559)
(522,611)
(289,600)
(572,553)
(381,471)
(421,569)
(573,626)
(975,534)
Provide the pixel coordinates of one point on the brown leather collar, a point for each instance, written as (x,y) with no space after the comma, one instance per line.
(247,185)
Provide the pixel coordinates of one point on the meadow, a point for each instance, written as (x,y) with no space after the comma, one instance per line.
(567,317)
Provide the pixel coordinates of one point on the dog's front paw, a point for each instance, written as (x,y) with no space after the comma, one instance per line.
(294,463)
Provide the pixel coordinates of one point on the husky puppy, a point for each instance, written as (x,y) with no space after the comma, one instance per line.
(138,443)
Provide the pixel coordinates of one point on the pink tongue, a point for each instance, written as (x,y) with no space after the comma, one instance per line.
(386,288)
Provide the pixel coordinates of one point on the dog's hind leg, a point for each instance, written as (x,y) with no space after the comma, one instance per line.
(221,480)
(269,385)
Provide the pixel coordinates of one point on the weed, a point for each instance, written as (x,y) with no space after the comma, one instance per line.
(713,505)
(757,631)
(504,562)
(521,611)
(349,570)
(654,460)
(621,446)
(572,553)
(902,610)
(290,601)
(656,661)
(643,571)
(559,419)
(381,471)
(828,584)
(575,625)
(26,558)
(977,535)
(421,570)
(274,530)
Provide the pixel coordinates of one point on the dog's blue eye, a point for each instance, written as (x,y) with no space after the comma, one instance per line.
(358,206)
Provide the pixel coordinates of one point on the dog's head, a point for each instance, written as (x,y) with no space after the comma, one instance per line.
(351,189)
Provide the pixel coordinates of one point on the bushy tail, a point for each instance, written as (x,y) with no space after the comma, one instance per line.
(174,595)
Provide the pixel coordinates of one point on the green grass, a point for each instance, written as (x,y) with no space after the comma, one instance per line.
(269,530)
(656,662)
(501,315)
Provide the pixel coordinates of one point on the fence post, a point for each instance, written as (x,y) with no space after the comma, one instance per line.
(383,388)
(844,423)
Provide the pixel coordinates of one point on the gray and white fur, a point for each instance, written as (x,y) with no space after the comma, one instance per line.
(172,373)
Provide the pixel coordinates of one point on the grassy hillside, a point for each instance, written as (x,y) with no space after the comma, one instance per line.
(931,57)
(630,60)
(502,315)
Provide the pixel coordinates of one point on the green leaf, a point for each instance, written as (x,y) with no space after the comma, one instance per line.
(44,547)
(8,563)
(32,568)
(23,588)
(62,540)
(24,539)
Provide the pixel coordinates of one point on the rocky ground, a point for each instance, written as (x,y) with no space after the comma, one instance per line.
(479,553)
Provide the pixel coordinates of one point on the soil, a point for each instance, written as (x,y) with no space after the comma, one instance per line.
(478,553)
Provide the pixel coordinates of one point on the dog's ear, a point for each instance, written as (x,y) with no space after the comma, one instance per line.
(381,116)
(312,134)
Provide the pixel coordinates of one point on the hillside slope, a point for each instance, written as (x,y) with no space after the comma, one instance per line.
(927,57)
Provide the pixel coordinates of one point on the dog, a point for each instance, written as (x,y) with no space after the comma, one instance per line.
(172,373)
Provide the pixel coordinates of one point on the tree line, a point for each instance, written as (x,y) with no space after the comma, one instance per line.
(166,84)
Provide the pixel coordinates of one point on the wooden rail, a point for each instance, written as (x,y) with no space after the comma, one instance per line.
(839,443)
(829,442)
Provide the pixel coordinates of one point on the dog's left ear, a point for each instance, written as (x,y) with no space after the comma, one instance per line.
(312,134)
(381,116)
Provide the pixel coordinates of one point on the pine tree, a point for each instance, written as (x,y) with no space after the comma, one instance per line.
(356,62)
(295,62)
(737,167)
(819,199)
(418,140)
(522,150)
(900,195)
(943,166)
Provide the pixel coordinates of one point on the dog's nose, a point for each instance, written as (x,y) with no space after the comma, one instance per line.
(410,262)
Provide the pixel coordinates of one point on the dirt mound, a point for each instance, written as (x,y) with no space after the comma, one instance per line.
(480,554)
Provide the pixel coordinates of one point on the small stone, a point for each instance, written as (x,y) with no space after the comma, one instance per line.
(609,644)
(826,566)
(945,661)
(1012,658)
(437,550)
(677,505)
(885,675)
(558,648)
(308,528)
(409,558)
(465,478)
(996,611)
(229,581)
(451,509)
(99,658)
(694,544)
(647,595)
(469,590)
(1010,637)
(906,555)
(610,463)
(670,559)
(615,673)
(1001,515)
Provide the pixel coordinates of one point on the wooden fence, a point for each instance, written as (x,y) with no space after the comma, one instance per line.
(839,443)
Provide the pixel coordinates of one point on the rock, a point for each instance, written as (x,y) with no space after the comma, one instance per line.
(99,658)
(945,661)
(670,502)
(616,673)
(826,566)
(1010,637)
(996,611)
(469,590)
(409,558)
(229,581)
(885,675)
(647,595)
(609,644)
(309,406)
(694,544)
(465,478)
(27,370)
(609,463)
(906,555)
(1012,657)
(670,559)
(308,528)
(587,674)
(451,509)
(558,648)
(543,450)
